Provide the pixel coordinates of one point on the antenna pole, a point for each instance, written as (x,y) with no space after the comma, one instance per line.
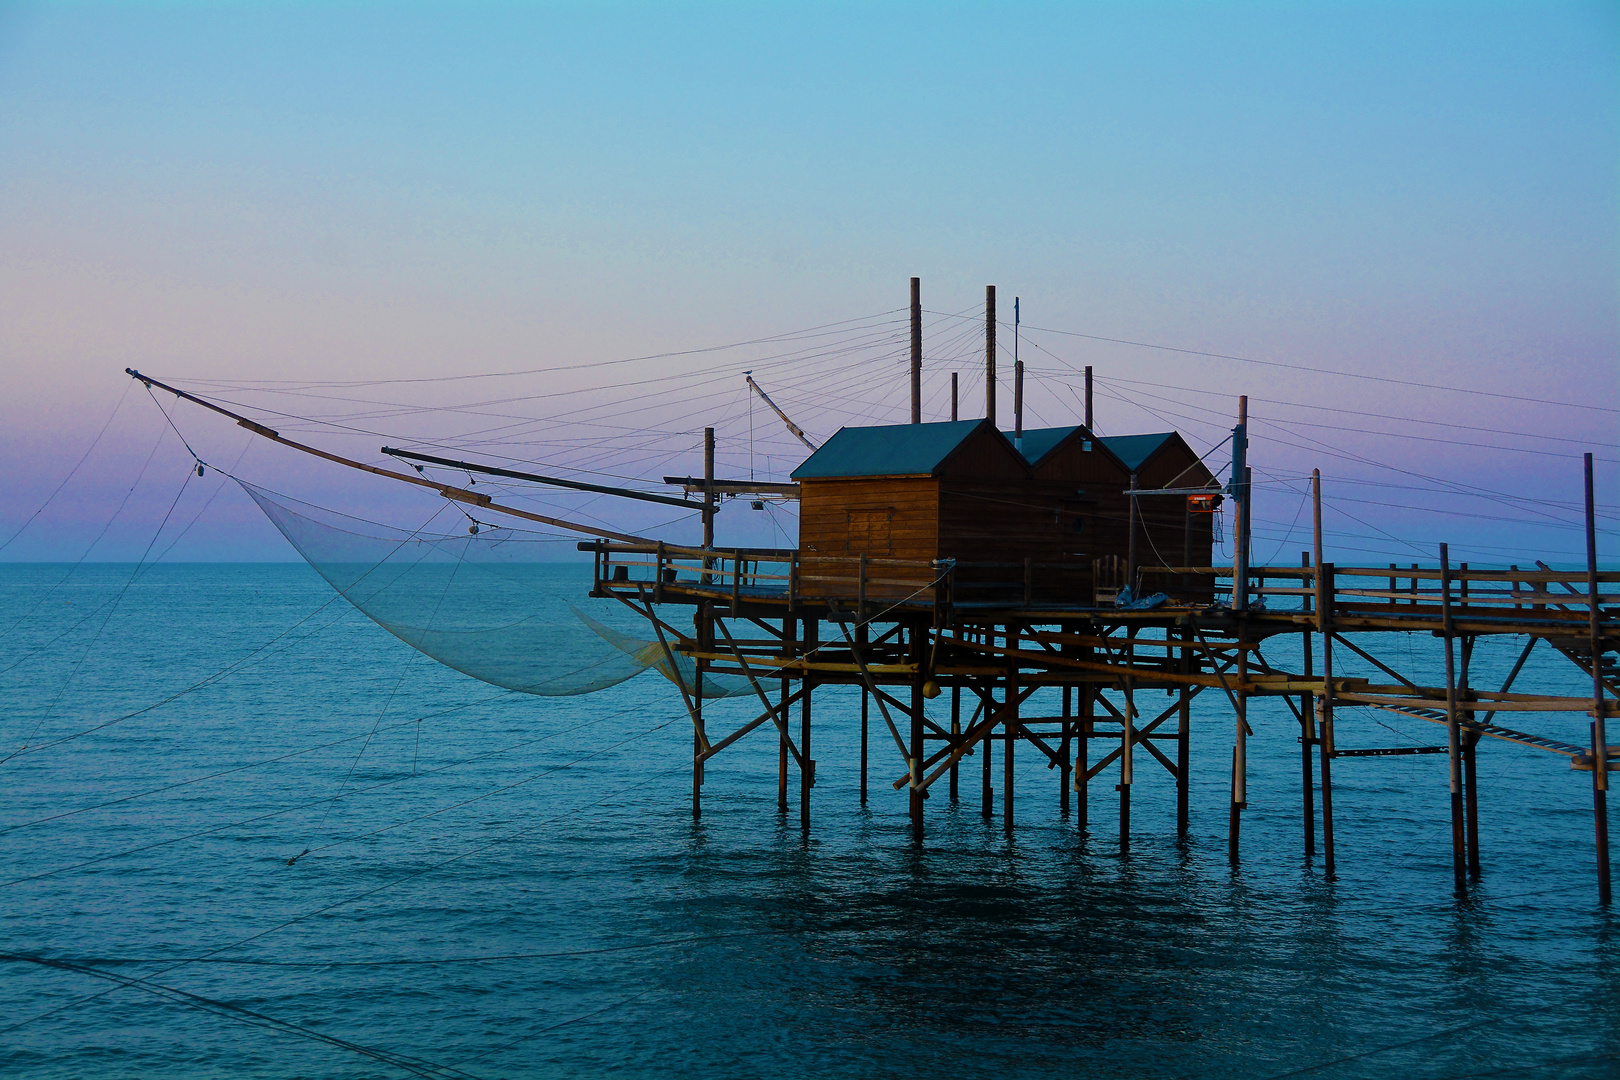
(1088,397)
(1018,385)
(1018,405)
(953,395)
(708,488)
(916,350)
(990,353)
(1240,491)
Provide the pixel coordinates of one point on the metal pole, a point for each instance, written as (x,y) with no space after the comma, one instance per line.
(1600,739)
(916,350)
(1018,404)
(1453,729)
(1088,398)
(953,395)
(990,353)
(1130,546)
(708,501)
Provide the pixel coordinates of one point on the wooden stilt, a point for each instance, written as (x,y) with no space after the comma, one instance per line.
(1307,731)
(1082,755)
(1063,751)
(1324,626)
(917,748)
(862,636)
(1009,731)
(1127,744)
(807,773)
(1453,729)
(1470,749)
(705,633)
(1240,750)
(789,631)
(956,729)
(1183,738)
(1600,708)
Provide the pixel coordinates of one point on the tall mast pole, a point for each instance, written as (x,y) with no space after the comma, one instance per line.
(1088,397)
(990,353)
(1240,492)
(916,350)
(953,395)
(1018,385)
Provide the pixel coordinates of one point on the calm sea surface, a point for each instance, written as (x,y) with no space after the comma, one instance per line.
(507,886)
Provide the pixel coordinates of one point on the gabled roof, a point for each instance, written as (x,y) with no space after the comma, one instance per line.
(891,450)
(1038,442)
(1133,450)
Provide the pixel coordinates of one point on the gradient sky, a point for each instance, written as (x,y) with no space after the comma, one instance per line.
(291,191)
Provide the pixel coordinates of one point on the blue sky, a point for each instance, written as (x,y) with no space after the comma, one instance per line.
(265,192)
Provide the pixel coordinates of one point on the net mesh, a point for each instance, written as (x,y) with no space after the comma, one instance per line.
(485,603)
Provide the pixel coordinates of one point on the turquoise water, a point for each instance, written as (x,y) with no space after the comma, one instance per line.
(499,885)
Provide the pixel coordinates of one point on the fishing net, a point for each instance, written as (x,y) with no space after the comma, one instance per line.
(485,603)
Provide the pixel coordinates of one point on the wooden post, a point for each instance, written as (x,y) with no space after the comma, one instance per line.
(1183,738)
(705,636)
(918,750)
(1600,738)
(1240,748)
(1453,729)
(1470,749)
(1082,751)
(1009,732)
(986,796)
(916,350)
(807,772)
(1063,751)
(956,729)
(1127,743)
(1307,728)
(1324,627)
(953,395)
(789,632)
(1088,399)
(990,353)
(862,636)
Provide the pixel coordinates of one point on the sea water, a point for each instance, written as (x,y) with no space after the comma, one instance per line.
(267,839)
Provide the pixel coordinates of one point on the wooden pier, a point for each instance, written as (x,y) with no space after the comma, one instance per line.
(949,656)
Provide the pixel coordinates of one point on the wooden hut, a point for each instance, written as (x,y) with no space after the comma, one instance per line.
(881,506)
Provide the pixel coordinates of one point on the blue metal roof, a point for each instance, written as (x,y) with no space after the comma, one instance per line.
(1038,442)
(1133,450)
(891,450)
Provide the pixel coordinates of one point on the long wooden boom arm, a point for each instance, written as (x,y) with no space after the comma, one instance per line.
(458,494)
